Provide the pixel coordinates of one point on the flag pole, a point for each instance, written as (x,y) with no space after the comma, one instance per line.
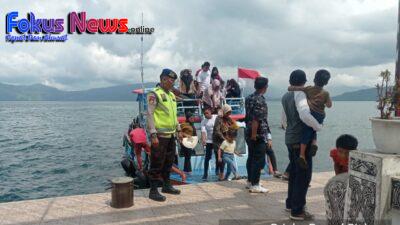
(397,69)
(141,58)
(238,81)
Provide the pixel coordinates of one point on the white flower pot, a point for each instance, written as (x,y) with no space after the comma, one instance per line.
(386,135)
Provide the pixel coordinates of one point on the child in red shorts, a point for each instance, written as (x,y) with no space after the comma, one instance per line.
(340,155)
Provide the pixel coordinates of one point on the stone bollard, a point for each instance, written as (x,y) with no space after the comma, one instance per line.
(335,194)
(368,192)
(395,201)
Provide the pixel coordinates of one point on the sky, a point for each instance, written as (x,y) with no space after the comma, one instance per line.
(353,39)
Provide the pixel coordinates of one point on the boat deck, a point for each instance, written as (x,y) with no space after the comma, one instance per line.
(203,203)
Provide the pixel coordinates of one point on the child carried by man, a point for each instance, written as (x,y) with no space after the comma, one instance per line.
(317,99)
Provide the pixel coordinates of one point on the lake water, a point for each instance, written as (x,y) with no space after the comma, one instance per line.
(52,149)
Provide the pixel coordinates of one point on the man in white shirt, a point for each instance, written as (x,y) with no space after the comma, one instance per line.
(207,128)
(203,78)
(297,112)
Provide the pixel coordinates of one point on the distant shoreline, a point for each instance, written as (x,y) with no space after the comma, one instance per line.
(39,92)
(271,100)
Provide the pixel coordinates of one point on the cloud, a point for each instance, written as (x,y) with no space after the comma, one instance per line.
(355,39)
(346,79)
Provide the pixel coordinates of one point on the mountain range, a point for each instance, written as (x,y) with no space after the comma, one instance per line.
(40,92)
(368,94)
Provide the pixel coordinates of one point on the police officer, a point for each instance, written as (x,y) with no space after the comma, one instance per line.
(163,126)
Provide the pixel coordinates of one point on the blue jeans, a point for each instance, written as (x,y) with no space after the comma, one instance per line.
(255,160)
(229,159)
(299,180)
(309,133)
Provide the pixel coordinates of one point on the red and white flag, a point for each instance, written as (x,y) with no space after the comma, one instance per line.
(248,73)
(246,77)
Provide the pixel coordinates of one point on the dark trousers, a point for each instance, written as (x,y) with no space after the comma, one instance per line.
(308,133)
(271,154)
(256,160)
(287,170)
(161,159)
(219,166)
(207,158)
(187,153)
(299,180)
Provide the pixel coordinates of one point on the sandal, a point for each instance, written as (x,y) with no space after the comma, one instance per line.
(237,178)
(277,174)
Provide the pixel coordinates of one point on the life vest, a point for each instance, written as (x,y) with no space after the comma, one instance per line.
(165,114)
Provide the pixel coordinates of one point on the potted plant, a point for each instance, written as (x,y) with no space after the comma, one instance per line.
(386,128)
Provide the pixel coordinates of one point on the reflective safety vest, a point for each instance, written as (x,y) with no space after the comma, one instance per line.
(165,114)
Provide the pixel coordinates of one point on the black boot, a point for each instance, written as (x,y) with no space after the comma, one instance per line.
(154,194)
(169,189)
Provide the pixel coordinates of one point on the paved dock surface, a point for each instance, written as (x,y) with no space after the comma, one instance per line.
(204,203)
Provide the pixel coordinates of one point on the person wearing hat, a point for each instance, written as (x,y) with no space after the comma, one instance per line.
(221,126)
(162,122)
(297,112)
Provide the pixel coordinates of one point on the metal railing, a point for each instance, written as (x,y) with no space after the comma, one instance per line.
(237,105)
(195,105)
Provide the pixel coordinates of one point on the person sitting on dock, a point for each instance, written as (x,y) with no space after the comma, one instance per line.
(226,154)
(340,155)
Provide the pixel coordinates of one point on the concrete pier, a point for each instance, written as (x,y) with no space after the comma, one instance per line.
(205,203)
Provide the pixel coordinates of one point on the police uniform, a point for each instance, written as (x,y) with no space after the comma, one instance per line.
(163,124)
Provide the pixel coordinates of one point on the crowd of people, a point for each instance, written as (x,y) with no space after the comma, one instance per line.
(206,85)
(303,115)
